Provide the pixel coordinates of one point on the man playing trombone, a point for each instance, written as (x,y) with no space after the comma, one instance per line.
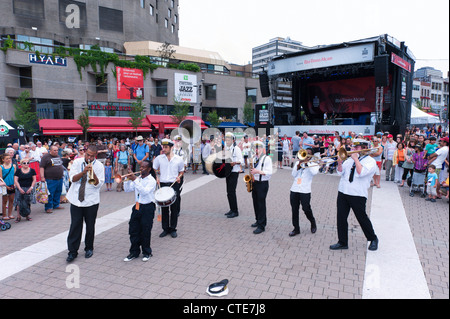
(356,174)
(303,173)
(87,176)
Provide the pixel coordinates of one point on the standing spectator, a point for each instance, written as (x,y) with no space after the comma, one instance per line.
(295,146)
(122,164)
(102,154)
(24,181)
(286,150)
(52,172)
(408,165)
(377,157)
(438,159)
(155,149)
(140,152)
(389,151)
(7,170)
(205,153)
(398,161)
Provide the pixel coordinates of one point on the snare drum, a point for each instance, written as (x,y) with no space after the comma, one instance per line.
(165,196)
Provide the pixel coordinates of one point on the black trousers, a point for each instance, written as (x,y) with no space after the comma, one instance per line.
(169,215)
(358,205)
(305,200)
(259,195)
(79,215)
(232,181)
(140,229)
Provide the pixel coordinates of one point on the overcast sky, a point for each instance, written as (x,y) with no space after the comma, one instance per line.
(233,27)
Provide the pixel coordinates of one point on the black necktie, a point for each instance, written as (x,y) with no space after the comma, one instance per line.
(352,173)
(82,190)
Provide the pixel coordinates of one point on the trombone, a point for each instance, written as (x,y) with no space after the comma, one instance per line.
(120,178)
(342,155)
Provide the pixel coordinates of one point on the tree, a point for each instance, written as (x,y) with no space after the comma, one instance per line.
(137,114)
(249,112)
(23,114)
(166,51)
(180,111)
(213,118)
(83,121)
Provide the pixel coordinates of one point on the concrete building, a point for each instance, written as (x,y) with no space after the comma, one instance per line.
(434,90)
(81,24)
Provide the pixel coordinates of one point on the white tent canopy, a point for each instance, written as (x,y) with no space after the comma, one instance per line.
(420,117)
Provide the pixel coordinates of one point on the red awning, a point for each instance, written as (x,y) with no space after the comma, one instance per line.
(169,124)
(98,125)
(433,114)
(62,132)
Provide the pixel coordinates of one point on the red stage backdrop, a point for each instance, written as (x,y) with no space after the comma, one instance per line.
(130,83)
(343,96)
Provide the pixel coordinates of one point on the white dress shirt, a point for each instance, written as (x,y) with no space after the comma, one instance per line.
(303,178)
(92,193)
(144,189)
(169,171)
(267,169)
(361,182)
(236,157)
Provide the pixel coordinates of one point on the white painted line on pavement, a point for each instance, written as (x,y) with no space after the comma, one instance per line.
(31,255)
(393,271)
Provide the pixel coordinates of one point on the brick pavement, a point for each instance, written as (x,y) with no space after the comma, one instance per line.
(211,247)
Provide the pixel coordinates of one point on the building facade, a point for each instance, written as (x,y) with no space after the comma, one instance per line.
(82,24)
(433,90)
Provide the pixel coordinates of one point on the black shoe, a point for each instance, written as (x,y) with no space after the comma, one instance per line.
(88,253)
(229,213)
(130,257)
(254,225)
(164,234)
(293,233)
(233,215)
(338,246)
(173,234)
(373,245)
(71,257)
(258,231)
(313,227)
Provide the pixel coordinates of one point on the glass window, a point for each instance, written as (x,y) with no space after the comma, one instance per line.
(210,91)
(151,10)
(161,88)
(54,109)
(251,93)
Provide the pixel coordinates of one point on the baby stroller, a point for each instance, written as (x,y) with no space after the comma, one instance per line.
(417,182)
(4,225)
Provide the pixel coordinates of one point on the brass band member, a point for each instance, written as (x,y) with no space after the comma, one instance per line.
(87,176)
(262,171)
(232,179)
(171,169)
(356,173)
(301,192)
(143,213)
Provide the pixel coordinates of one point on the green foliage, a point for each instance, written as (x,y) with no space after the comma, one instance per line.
(180,111)
(83,121)
(249,112)
(193,67)
(137,113)
(23,114)
(213,118)
(8,43)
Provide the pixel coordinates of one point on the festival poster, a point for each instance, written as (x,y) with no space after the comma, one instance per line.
(130,83)
(343,96)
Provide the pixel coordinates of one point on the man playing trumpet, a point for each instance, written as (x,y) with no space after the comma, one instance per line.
(87,176)
(356,173)
(303,173)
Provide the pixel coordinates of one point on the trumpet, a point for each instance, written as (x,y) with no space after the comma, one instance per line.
(120,178)
(91,178)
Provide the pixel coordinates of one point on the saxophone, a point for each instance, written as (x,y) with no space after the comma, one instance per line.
(248,179)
